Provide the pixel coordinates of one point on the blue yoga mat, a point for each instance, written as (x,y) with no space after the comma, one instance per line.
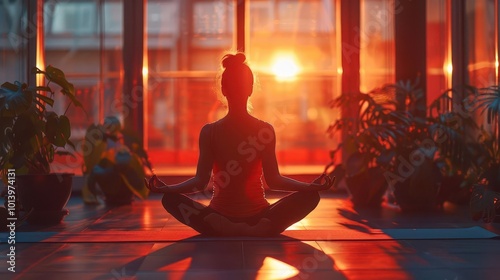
(304,235)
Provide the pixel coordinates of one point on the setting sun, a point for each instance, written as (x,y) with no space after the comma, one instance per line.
(285,67)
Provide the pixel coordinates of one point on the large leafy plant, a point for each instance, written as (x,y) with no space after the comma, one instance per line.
(33,134)
(371,134)
(485,200)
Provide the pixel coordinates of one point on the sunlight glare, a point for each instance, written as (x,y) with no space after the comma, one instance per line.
(449,68)
(285,67)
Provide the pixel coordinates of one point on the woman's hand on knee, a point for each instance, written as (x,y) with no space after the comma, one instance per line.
(156,185)
(319,185)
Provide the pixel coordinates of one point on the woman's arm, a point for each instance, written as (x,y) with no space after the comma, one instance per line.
(203,170)
(276,181)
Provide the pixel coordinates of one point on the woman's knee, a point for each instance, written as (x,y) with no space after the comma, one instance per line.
(311,198)
(170,201)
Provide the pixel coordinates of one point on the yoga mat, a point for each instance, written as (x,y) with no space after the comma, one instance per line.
(304,235)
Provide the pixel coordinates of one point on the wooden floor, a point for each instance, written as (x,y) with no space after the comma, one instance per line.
(306,258)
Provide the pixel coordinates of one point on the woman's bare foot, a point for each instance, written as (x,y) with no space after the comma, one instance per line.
(262,228)
(224,226)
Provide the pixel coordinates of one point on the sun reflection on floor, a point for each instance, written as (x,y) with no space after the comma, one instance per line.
(275,269)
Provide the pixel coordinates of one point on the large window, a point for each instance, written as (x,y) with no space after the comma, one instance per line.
(292,45)
(183,64)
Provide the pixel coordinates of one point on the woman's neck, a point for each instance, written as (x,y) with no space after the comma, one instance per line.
(237,109)
(238,112)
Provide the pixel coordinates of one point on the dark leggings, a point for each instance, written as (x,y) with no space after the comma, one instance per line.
(283,213)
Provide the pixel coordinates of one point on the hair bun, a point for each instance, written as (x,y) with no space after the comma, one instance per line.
(232,60)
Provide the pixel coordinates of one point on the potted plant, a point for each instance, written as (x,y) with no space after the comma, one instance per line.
(115,166)
(452,128)
(33,135)
(485,200)
(414,175)
(425,153)
(435,157)
(368,140)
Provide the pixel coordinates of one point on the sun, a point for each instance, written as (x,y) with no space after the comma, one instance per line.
(285,67)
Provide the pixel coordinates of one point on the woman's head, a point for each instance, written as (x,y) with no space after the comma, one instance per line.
(237,78)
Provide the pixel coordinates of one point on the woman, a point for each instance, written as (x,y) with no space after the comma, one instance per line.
(238,149)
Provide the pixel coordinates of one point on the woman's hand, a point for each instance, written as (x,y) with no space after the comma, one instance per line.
(156,185)
(317,184)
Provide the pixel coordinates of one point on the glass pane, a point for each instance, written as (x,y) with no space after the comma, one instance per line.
(185,42)
(376,44)
(293,52)
(481,49)
(300,30)
(299,113)
(438,53)
(85,41)
(177,110)
(480,33)
(13,39)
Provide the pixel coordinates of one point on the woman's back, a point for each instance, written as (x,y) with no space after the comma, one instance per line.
(238,143)
(237,151)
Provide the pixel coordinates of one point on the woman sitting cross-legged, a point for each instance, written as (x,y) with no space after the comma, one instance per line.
(237,150)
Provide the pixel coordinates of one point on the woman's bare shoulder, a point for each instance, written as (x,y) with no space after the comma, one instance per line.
(207,129)
(262,123)
(210,125)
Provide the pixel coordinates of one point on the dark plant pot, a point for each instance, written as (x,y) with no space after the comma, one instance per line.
(367,188)
(45,196)
(119,195)
(418,193)
(116,192)
(452,191)
(410,203)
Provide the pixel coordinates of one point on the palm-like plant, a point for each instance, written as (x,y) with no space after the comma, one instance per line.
(489,101)
(485,201)
(452,128)
(368,141)
(413,175)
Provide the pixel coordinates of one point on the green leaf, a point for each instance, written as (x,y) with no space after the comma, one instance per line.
(45,99)
(24,129)
(57,129)
(64,126)
(57,76)
(14,99)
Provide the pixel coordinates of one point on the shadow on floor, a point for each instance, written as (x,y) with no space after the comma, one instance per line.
(194,257)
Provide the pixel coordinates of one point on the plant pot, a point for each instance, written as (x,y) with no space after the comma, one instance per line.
(367,188)
(452,190)
(419,192)
(111,184)
(44,196)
